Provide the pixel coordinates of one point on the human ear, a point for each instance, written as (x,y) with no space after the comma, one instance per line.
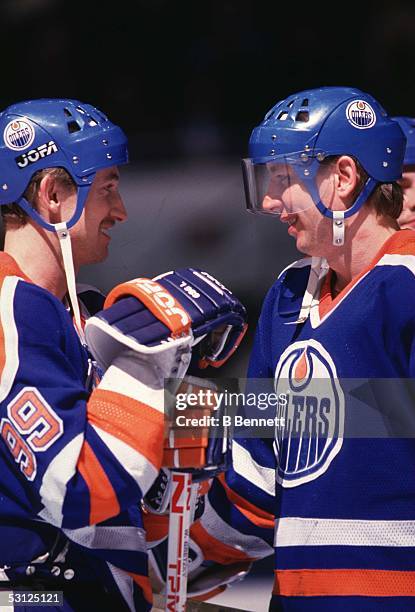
(347,177)
(49,199)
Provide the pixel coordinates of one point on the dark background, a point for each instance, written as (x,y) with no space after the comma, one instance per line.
(167,69)
(188,81)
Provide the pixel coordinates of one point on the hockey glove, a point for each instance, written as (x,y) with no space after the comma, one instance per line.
(218,317)
(143,330)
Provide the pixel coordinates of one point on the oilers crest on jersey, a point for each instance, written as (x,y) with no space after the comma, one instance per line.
(313,413)
(344,496)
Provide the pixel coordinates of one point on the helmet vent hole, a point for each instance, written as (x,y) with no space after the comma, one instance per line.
(67,112)
(289,105)
(302,116)
(80,110)
(282,116)
(73,126)
(305,102)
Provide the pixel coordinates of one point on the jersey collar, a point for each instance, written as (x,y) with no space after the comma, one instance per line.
(401,242)
(9,267)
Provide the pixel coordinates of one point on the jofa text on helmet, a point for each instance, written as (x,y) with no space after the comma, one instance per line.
(32,156)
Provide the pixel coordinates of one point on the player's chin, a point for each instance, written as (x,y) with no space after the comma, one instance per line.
(103,246)
(307,247)
(102,256)
(98,254)
(301,243)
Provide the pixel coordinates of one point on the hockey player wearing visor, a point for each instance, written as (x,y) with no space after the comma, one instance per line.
(315,168)
(407,182)
(336,335)
(82,404)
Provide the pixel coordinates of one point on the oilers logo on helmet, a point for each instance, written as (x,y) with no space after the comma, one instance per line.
(313,415)
(85,141)
(18,135)
(310,126)
(360,115)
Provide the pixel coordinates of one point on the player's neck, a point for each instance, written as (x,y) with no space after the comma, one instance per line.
(362,243)
(37,253)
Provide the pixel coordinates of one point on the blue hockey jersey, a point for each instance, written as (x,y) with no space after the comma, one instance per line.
(339,477)
(74,463)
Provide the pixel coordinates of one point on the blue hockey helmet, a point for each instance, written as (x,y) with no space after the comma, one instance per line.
(408,127)
(298,133)
(57,133)
(48,133)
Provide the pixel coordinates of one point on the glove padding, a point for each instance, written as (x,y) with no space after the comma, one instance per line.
(216,314)
(150,316)
(141,318)
(196,439)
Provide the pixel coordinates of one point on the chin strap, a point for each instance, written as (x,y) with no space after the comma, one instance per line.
(66,250)
(338,216)
(338,227)
(62,231)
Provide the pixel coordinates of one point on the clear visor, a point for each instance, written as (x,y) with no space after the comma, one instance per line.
(276,187)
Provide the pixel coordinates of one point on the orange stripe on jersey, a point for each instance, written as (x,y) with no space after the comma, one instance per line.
(8,267)
(156,526)
(103,500)
(213,549)
(129,420)
(144,584)
(259,517)
(326,299)
(400,243)
(341,582)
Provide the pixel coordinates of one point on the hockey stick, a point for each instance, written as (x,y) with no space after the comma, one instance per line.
(182,504)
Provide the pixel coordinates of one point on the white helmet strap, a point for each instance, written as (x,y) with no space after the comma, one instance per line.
(66,250)
(338,227)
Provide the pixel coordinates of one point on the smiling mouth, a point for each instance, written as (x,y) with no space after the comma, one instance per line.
(106,230)
(290,220)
